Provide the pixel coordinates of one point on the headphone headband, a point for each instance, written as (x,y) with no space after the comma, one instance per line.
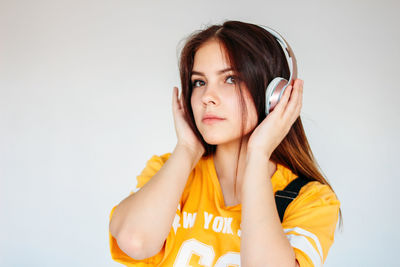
(288,53)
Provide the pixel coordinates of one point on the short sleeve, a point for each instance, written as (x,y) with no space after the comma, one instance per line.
(310,222)
(153,165)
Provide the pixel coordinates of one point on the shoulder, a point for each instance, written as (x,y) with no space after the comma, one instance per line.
(315,194)
(153,165)
(159,159)
(312,193)
(315,201)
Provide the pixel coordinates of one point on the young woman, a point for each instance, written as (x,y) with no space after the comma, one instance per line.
(211,202)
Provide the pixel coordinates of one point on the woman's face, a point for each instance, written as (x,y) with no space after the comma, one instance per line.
(215,93)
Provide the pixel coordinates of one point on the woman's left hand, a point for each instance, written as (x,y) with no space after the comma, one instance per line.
(270,132)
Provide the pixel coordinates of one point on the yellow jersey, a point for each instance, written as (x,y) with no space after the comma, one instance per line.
(205,232)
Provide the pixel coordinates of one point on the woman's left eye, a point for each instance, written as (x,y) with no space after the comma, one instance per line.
(233,78)
(194,83)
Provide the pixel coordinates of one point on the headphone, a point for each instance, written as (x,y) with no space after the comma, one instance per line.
(278,85)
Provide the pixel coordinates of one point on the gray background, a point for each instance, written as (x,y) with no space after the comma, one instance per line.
(85,101)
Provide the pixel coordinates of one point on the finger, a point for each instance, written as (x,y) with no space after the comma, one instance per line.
(300,99)
(175,103)
(293,107)
(181,101)
(280,107)
(293,100)
(173,97)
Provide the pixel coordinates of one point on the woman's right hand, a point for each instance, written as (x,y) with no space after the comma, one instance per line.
(184,133)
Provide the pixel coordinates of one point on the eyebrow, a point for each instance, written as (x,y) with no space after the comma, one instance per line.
(219,72)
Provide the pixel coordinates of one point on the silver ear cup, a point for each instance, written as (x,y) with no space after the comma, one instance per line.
(274,93)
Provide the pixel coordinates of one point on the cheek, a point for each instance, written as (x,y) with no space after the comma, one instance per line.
(252,117)
(194,105)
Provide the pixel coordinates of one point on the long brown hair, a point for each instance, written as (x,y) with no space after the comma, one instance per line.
(257,58)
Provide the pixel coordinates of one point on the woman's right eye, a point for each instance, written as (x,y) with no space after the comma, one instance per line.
(194,83)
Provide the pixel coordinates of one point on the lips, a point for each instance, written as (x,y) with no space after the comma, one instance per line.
(211,117)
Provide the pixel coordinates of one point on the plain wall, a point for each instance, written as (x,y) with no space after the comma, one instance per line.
(85,101)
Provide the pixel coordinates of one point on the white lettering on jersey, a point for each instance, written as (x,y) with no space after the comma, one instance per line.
(207,219)
(218,224)
(227,226)
(229,259)
(206,253)
(176,223)
(177,218)
(190,247)
(188,219)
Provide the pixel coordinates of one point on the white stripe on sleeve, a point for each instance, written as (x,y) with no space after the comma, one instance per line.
(301,231)
(304,245)
(300,242)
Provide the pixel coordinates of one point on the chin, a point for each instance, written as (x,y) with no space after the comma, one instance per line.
(213,139)
(217,140)
(218,137)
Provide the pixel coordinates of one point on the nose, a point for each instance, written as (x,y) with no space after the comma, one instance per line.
(210,95)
